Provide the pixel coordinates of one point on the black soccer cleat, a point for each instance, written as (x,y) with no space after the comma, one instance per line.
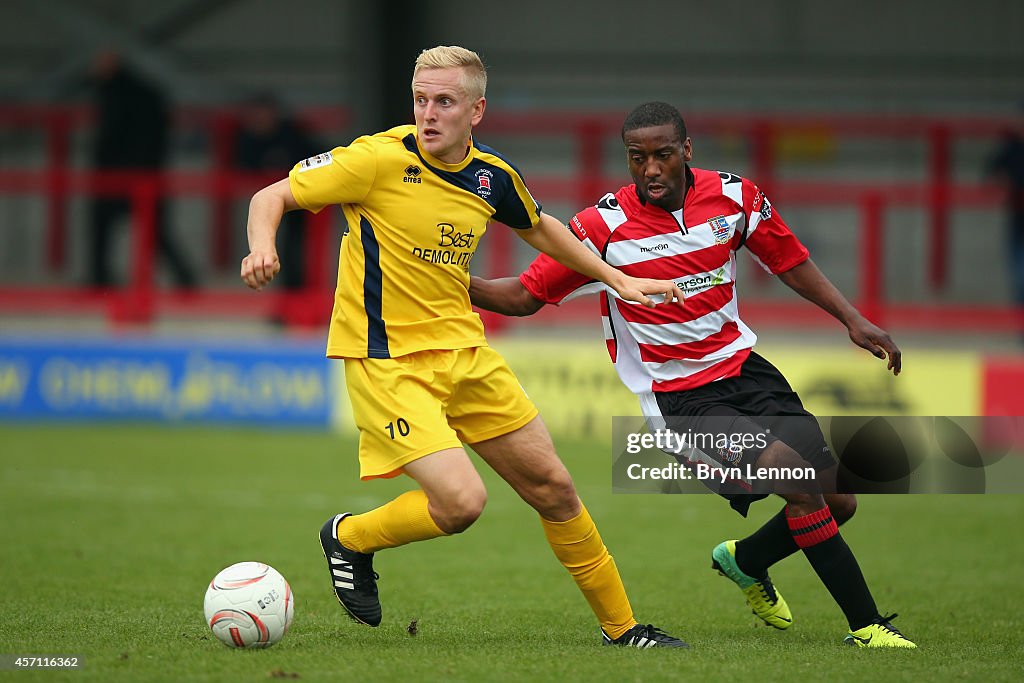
(643,637)
(355,582)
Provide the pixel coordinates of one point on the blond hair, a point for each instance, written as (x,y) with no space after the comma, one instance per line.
(474,78)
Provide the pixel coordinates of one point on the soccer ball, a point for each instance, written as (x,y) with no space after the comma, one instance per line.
(249,604)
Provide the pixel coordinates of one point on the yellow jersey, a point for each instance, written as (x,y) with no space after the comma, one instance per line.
(414,223)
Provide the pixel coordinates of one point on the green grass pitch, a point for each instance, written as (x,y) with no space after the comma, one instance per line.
(110,535)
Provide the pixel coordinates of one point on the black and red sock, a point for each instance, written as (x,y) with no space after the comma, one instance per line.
(818,536)
(766,546)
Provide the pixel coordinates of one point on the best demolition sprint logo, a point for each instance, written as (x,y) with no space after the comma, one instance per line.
(455,248)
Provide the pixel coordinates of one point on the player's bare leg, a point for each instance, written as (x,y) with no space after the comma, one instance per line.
(455,492)
(450,499)
(526,459)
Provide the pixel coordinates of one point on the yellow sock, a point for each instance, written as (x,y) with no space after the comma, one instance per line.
(578,546)
(403,520)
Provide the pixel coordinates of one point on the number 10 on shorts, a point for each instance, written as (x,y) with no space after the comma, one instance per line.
(400,426)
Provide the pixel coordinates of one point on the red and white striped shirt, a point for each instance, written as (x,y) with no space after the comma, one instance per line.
(675,348)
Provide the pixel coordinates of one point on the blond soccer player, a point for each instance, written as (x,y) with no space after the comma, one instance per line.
(420,375)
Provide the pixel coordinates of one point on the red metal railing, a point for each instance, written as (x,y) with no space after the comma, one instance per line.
(140,300)
(59,123)
(762,133)
(936,194)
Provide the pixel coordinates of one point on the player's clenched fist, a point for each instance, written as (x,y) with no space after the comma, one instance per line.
(259,268)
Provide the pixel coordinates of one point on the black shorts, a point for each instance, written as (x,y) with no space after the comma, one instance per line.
(757,405)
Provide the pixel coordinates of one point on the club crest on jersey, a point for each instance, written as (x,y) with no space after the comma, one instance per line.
(720,229)
(483,178)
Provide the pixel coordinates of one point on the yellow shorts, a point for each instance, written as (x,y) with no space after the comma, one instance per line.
(424,402)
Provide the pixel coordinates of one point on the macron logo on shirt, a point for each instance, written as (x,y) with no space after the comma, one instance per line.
(577,227)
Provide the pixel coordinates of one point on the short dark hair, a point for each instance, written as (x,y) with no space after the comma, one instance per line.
(654,114)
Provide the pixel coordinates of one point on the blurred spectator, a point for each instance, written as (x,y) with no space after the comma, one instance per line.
(1008,165)
(132,132)
(270,140)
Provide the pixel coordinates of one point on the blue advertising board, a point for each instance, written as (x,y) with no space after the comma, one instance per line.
(271,383)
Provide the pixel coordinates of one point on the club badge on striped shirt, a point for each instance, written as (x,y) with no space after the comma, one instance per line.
(720,229)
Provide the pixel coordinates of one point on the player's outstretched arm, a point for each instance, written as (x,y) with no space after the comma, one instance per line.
(810,283)
(506,296)
(552,238)
(266,209)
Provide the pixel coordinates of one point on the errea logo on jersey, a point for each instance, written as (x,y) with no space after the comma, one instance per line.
(412,174)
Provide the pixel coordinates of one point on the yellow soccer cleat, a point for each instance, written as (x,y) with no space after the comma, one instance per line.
(879,634)
(766,602)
